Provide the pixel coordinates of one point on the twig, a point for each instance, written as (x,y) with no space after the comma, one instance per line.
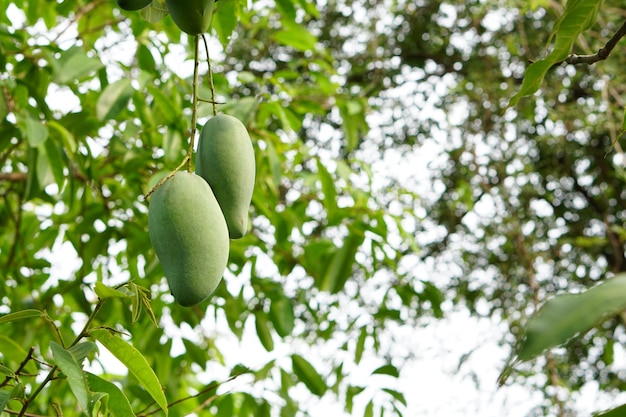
(194,109)
(168,176)
(208,60)
(202,391)
(18,371)
(603,53)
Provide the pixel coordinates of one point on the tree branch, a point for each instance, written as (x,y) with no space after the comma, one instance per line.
(603,53)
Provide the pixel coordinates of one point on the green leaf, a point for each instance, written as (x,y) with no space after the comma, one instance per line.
(36,132)
(282,316)
(114,99)
(296,36)
(579,15)
(387,370)
(308,375)
(565,316)
(75,376)
(225,19)
(156,11)
(118,404)
(5,396)
(20,315)
(73,65)
(369,409)
(287,9)
(135,362)
(340,268)
(329,191)
(104,292)
(81,350)
(263,330)
(360,345)
(614,412)
(398,396)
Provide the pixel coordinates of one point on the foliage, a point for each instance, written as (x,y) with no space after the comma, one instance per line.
(92,115)
(526,202)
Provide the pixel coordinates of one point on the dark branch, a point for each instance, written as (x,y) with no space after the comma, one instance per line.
(603,53)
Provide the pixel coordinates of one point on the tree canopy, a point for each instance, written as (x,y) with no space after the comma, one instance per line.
(411,158)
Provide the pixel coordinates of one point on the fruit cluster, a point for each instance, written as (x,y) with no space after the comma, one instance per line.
(192,215)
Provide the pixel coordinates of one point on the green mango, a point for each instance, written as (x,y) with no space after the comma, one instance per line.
(191,16)
(189,235)
(132,5)
(225,159)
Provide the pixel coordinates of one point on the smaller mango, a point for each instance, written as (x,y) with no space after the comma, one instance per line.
(225,159)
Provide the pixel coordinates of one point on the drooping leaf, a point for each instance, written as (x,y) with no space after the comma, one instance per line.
(75,375)
(36,132)
(388,369)
(5,396)
(263,332)
(135,362)
(579,15)
(566,316)
(117,402)
(296,36)
(81,350)
(341,264)
(20,315)
(308,375)
(225,19)
(114,99)
(73,65)
(104,292)
(398,396)
(282,316)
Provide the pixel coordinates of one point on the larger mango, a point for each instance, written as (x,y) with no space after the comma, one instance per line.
(191,16)
(225,159)
(189,235)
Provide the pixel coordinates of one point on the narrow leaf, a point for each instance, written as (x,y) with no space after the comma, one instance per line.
(579,15)
(20,315)
(308,375)
(103,292)
(75,376)
(565,316)
(114,99)
(4,399)
(225,19)
(135,362)
(263,331)
(387,370)
(118,404)
(360,345)
(281,314)
(398,396)
(340,268)
(614,412)
(81,350)
(36,132)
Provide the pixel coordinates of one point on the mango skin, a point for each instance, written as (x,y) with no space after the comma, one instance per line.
(190,237)
(132,5)
(191,16)
(225,159)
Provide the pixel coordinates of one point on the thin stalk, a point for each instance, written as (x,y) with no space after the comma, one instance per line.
(208,61)
(194,110)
